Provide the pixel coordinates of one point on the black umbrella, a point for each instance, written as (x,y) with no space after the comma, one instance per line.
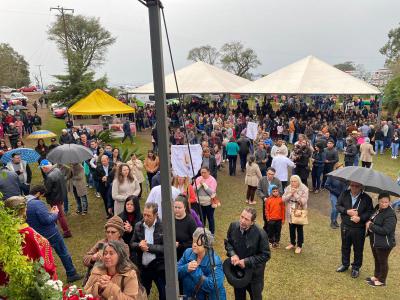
(372,180)
(69,154)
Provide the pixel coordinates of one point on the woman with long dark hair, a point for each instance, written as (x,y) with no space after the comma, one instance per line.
(42,149)
(124,185)
(130,216)
(151,164)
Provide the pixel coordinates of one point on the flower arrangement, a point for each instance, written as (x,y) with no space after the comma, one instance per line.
(74,293)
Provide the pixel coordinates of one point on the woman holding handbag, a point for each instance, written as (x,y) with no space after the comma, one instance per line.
(296,197)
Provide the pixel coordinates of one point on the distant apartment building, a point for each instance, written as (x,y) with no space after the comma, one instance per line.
(380,77)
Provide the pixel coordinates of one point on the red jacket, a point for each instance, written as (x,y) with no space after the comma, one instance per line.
(275,209)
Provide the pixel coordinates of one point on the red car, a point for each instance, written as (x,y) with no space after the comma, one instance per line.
(27,89)
(60,112)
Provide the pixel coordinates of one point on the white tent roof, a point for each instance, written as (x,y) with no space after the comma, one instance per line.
(310,76)
(198,78)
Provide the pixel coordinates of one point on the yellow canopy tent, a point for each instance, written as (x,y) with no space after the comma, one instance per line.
(99,103)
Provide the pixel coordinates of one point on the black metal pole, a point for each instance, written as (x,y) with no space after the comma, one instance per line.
(168,220)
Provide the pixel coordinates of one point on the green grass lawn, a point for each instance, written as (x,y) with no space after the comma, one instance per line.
(310,275)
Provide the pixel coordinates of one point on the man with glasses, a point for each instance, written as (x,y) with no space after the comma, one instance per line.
(355,208)
(264,189)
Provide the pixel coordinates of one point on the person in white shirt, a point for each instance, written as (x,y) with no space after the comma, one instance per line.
(155,197)
(281,163)
(279,145)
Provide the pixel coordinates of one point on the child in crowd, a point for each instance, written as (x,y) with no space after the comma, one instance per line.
(275,215)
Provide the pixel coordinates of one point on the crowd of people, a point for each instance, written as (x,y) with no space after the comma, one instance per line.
(293,142)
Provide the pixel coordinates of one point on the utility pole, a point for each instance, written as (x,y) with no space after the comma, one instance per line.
(168,220)
(62,10)
(40,74)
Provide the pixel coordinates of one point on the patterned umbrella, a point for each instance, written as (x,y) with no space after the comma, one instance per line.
(27,154)
(41,134)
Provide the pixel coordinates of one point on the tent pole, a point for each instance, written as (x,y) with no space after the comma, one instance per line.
(168,220)
(380,109)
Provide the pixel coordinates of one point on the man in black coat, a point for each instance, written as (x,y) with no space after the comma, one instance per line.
(148,250)
(244,149)
(105,178)
(247,246)
(355,208)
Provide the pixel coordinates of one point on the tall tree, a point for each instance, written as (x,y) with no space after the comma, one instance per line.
(14,70)
(207,54)
(88,42)
(346,66)
(392,48)
(238,60)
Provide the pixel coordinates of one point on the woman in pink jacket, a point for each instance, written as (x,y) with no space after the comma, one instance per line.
(207,188)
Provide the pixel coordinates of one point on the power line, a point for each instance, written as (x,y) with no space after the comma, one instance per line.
(62,10)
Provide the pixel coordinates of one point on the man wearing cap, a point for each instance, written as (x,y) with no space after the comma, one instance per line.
(247,247)
(22,169)
(44,222)
(56,192)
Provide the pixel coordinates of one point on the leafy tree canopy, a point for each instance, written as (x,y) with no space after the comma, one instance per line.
(14,70)
(206,54)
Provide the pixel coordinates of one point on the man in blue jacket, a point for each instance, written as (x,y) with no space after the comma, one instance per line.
(44,222)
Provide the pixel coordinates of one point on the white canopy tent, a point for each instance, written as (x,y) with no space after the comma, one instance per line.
(310,76)
(198,78)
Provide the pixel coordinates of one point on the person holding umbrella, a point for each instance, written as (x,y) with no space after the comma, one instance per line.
(355,208)
(381,231)
(56,192)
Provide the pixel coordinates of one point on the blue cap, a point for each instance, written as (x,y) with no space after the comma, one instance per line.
(45,163)
(274,187)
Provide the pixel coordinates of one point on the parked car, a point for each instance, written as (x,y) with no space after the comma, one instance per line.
(28,89)
(60,112)
(18,96)
(6,89)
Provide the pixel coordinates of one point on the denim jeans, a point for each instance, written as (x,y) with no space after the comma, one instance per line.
(395,149)
(356,160)
(379,145)
(81,202)
(316,176)
(334,213)
(208,214)
(57,242)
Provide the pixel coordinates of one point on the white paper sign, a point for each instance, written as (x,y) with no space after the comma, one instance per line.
(251,131)
(180,160)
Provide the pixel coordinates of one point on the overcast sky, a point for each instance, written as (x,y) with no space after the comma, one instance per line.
(280,31)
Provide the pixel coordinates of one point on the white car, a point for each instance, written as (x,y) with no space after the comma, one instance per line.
(6,89)
(18,96)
